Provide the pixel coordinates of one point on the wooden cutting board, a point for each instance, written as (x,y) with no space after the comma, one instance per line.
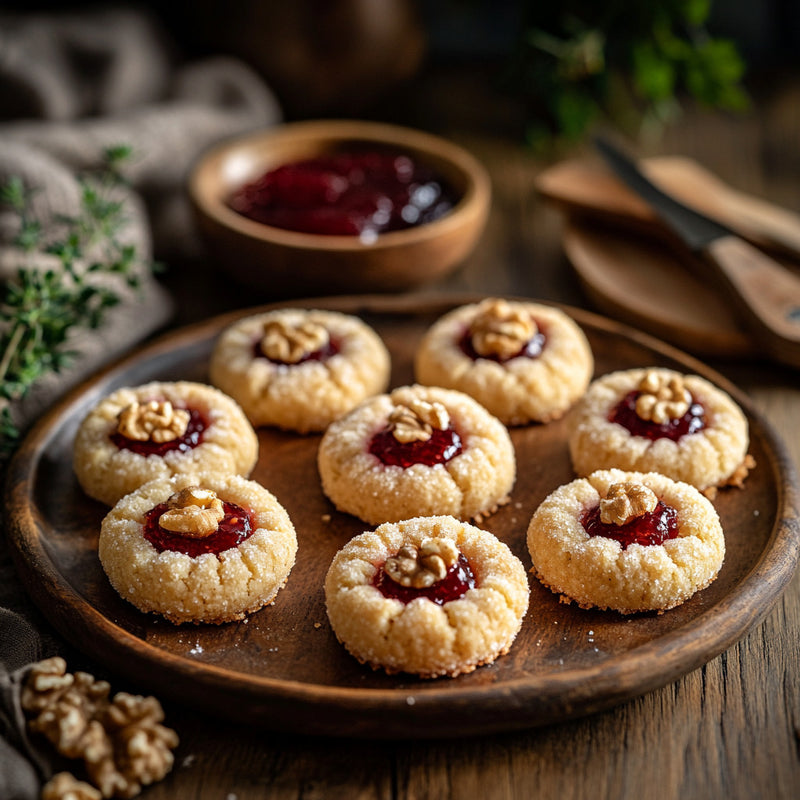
(634,269)
(587,187)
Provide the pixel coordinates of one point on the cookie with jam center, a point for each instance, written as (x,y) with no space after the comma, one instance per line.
(198,548)
(418,451)
(524,362)
(626,541)
(431,596)
(299,369)
(137,434)
(659,420)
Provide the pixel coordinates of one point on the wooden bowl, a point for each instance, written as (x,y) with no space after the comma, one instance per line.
(283,263)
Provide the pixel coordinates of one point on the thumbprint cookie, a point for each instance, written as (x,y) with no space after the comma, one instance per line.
(626,541)
(299,369)
(419,451)
(659,420)
(141,433)
(431,596)
(198,548)
(524,362)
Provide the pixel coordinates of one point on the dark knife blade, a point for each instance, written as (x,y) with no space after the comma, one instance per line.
(767,294)
(695,229)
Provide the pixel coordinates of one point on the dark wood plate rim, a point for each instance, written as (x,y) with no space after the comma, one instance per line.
(434,708)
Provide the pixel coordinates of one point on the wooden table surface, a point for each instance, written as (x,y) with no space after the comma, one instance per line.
(729,729)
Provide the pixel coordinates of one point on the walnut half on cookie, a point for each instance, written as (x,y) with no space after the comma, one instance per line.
(140,433)
(626,541)
(299,369)
(660,420)
(166,549)
(467,610)
(524,362)
(418,451)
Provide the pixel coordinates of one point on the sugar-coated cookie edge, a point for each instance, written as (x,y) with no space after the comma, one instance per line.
(209,588)
(306,397)
(422,637)
(521,390)
(598,572)
(471,485)
(106,473)
(705,459)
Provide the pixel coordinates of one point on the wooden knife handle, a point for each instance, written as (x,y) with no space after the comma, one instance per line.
(767,293)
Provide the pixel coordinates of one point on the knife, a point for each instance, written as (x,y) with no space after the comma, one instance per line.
(765,292)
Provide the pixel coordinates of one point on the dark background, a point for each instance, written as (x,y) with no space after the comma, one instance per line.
(428,36)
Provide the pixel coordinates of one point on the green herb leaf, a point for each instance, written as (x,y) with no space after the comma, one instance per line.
(42,308)
(631,62)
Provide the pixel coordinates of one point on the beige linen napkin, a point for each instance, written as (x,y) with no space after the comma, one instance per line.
(72,85)
(96,80)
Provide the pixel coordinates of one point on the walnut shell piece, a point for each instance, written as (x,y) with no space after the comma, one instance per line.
(291,343)
(501,329)
(156,420)
(421,567)
(626,501)
(121,741)
(415,420)
(193,512)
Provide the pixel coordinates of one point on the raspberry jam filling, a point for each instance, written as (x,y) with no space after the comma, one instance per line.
(531,349)
(458,580)
(331,348)
(193,436)
(654,527)
(438,449)
(359,192)
(235,527)
(624,414)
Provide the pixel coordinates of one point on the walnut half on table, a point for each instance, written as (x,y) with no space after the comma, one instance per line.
(120,740)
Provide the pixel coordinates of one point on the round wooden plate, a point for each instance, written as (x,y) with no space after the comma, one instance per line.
(643,282)
(283,667)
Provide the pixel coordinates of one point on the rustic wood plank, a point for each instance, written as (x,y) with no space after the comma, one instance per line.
(730,729)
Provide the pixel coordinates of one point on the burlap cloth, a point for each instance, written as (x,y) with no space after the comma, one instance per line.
(70,86)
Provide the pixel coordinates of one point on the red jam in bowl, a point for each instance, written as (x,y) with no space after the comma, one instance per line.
(192,437)
(531,349)
(652,528)
(359,192)
(235,527)
(624,414)
(442,446)
(323,354)
(458,581)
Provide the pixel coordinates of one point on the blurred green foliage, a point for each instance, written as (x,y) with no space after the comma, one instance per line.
(630,61)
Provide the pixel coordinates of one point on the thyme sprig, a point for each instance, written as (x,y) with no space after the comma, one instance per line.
(40,307)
